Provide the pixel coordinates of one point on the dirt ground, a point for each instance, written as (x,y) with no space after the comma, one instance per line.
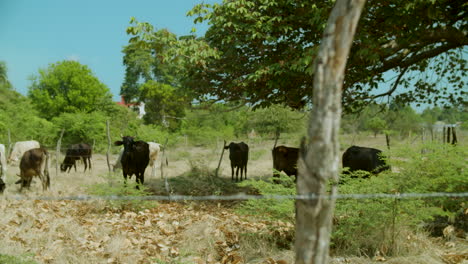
(67,231)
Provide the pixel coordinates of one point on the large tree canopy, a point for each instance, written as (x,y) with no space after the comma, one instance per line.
(262,51)
(155,66)
(68,87)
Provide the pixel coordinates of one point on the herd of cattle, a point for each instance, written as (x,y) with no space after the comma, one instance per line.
(137,155)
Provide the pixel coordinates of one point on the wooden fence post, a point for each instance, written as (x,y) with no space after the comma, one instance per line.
(109,143)
(57,152)
(163,156)
(220,159)
(454,136)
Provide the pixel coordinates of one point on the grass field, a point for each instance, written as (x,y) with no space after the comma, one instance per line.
(97,231)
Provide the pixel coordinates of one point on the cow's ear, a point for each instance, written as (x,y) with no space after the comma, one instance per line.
(118,143)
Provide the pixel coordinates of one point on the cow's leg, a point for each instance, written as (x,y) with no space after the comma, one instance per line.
(74,164)
(85,163)
(89,161)
(237,173)
(140,179)
(125,178)
(43,179)
(232,173)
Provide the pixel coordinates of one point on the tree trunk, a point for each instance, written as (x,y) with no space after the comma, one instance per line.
(319,162)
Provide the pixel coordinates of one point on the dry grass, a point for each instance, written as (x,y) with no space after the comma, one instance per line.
(88,232)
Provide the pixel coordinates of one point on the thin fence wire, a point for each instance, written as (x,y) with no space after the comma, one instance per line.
(241,197)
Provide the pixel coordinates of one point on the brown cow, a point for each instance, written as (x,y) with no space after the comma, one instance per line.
(35,162)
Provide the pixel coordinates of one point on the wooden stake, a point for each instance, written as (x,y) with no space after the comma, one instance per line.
(57,153)
(220,159)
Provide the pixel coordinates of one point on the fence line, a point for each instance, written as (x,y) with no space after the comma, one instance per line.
(240,197)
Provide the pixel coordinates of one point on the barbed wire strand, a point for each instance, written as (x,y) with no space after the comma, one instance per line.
(240,197)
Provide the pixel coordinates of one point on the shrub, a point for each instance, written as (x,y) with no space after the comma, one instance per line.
(382,223)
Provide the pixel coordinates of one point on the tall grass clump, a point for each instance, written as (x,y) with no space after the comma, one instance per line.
(201,180)
(384,225)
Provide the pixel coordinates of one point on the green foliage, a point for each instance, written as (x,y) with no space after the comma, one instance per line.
(115,188)
(82,127)
(67,87)
(266,50)
(385,223)
(403,119)
(164,104)
(270,208)
(23,122)
(376,125)
(4,82)
(442,168)
(269,120)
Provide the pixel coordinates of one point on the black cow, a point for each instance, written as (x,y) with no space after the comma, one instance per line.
(35,162)
(366,159)
(75,152)
(135,158)
(239,155)
(285,159)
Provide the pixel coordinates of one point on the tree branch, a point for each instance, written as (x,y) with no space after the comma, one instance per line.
(395,85)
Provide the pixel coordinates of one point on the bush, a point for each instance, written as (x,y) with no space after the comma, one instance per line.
(384,224)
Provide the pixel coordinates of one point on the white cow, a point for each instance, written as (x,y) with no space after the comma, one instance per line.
(154,149)
(20,148)
(3,163)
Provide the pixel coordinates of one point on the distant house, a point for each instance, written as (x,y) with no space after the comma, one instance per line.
(139,107)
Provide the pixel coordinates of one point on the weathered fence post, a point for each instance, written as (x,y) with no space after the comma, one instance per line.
(109,143)
(454,136)
(449,132)
(319,161)
(163,156)
(57,153)
(220,159)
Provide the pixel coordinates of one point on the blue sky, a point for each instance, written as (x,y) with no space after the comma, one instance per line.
(34,34)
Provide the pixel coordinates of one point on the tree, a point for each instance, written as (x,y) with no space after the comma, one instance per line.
(4,82)
(320,158)
(263,51)
(164,104)
(153,76)
(68,87)
(376,125)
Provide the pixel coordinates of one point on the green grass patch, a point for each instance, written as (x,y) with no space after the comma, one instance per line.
(257,154)
(273,209)
(7,259)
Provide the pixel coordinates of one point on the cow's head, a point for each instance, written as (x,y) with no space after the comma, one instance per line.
(126,141)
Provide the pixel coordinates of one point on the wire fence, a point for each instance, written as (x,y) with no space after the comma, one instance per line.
(241,197)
